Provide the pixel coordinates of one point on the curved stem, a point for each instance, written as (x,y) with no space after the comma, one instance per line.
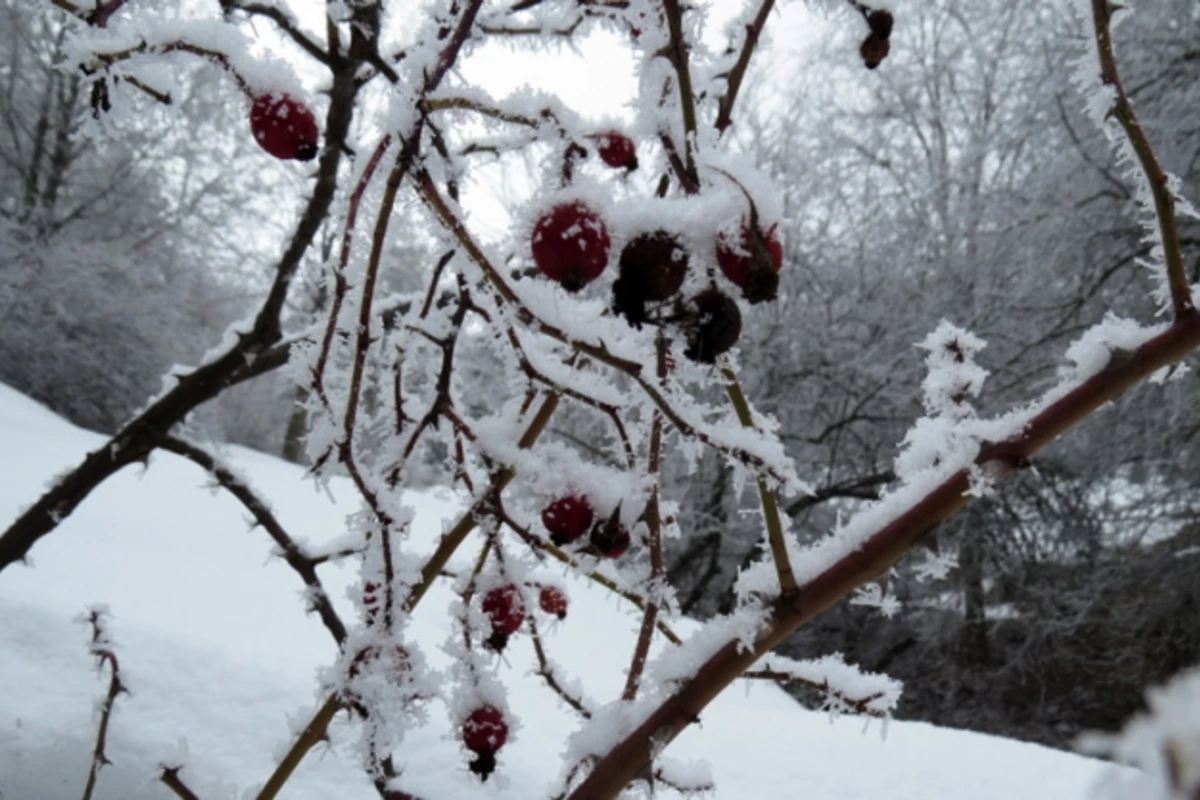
(766,495)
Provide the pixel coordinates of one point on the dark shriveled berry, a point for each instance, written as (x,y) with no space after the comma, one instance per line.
(653,266)
(874,50)
(660,262)
(610,537)
(570,245)
(715,327)
(880,21)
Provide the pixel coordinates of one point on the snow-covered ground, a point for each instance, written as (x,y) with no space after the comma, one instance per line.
(223,663)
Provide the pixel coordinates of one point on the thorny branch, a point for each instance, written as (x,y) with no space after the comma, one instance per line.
(654,529)
(858,705)
(546,671)
(169,777)
(878,552)
(766,495)
(296,557)
(1156,178)
(101,648)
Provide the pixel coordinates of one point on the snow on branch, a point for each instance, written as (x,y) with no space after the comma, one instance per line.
(846,688)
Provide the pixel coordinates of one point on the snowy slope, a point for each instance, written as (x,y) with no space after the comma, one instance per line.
(222,661)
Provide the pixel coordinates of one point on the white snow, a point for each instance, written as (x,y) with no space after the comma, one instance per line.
(222,661)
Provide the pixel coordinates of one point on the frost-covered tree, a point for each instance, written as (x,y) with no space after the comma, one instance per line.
(620,304)
(118,250)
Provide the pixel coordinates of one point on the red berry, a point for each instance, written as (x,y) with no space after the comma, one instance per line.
(284,127)
(754,263)
(506,610)
(610,537)
(484,732)
(567,518)
(553,601)
(617,150)
(570,245)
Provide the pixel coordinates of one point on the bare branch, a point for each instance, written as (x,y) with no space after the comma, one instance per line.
(285,24)
(101,648)
(1156,178)
(766,495)
(170,778)
(295,556)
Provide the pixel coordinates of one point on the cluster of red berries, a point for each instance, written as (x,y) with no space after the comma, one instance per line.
(284,127)
(570,245)
(877,45)
(569,518)
(505,609)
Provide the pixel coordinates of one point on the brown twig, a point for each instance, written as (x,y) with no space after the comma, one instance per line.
(677,54)
(285,24)
(766,495)
(734,79)
(296,557)
(308,738)
(471,104)
(340,285)
(455,537)
(547,673)
(859,705)
(654,527)
(170,778)
(102,650)
(1156,178)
